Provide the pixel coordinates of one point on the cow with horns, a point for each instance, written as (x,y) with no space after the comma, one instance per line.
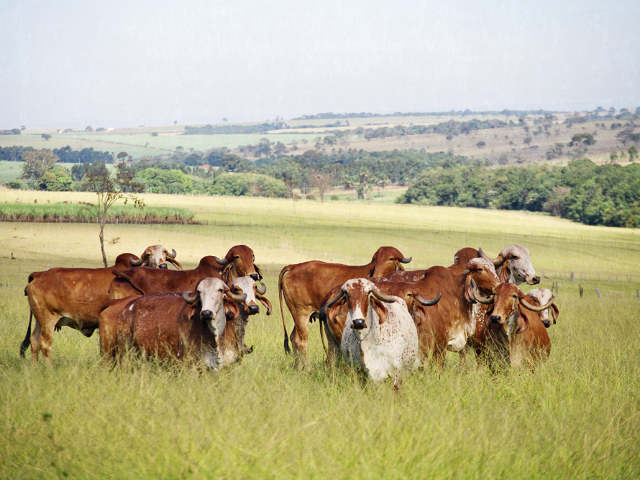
(187,326)
(305,285)
(156,257)
(232,346)
(379,335)
(516,335)
(542,296)
(333,318)
(238,262)
(513,263)
(71,297)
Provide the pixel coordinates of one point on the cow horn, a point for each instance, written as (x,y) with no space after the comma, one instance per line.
(475,295)
(381,296)
(136,263)
(172,255)
(221,261)
(335,299)
(235,297)
(481,254)
(499,260)
(261,290)
(190,297)
(175,262)
(427,303)
(466,272)
(533,308)
(406,260)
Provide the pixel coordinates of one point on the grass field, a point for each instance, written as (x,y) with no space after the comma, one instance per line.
(578,416)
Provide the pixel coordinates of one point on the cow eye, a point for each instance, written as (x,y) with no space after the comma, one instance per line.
(237,257)
(479,269)
(514,257)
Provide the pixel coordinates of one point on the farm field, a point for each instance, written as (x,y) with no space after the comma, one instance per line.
(498,143)
(577,416)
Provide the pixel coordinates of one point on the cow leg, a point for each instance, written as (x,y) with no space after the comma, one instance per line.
(35,341)
(44,342)
(299,337)
(333,349)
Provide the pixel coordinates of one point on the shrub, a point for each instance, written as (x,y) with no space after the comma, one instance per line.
(15,184)
(250,184)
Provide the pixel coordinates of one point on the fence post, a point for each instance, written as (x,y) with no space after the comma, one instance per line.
(572,278)
(581,290)
(598,292)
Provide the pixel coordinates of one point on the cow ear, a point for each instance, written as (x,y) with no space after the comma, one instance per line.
(335,310)
(265,301)
(418,313)
(381,309)
(373,270)
(231,309)
(259,272)
(555,313)
(522,322)
(468,295)
(506,272)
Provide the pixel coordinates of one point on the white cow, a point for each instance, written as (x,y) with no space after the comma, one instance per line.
(544,296)
(380,336)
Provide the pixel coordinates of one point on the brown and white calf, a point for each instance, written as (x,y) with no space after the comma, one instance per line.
(543,296)
(516,334)
(174,326)
(380,336)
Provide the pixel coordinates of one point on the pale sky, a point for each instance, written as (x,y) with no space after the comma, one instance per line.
(127,63)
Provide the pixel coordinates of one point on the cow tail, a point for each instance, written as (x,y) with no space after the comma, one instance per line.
(322,318)
(287,350)
(121,274)
(27,339)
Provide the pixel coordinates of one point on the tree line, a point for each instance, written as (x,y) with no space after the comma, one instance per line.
(581,191)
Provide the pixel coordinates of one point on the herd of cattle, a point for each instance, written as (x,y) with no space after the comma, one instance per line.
(380,318)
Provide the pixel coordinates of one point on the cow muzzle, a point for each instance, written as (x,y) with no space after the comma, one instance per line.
(533,280)
(255,276)
(253,309)
(206,315)
(163,265)
(358,324)
(546,323)
(495,319)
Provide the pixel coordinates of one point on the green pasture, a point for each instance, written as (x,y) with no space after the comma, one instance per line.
(578,416)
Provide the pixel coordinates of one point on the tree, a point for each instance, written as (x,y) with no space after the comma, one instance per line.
(37,162)
(527,140)
(122,156)
(109,190)
(56,180)
(89,128)
(321,181)
(46,136)
(481,144)
(633,153)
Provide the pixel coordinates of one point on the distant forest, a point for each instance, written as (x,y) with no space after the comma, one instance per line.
(582,191)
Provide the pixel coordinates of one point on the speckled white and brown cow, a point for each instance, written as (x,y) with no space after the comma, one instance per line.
(544,296)
(380,336)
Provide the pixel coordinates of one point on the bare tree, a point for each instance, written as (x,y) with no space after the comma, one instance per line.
(109,190)
(321,181)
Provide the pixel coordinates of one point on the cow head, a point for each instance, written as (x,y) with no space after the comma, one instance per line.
(254,292)
(480,274)
(543,296)
(387,260)
(212,295)
(156,256)
(506,309)
(238,262)
(513,265)
(365,302)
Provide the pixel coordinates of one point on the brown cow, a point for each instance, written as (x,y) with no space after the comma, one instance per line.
(334,320)
(304,286)
(238,262)
(516,335)
(71,297)
(451,324)
(173,326)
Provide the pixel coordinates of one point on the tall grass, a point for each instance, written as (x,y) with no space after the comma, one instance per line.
(577,416)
